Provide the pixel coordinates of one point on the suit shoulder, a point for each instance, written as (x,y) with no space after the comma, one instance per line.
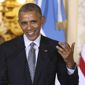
(12,47)
(50,41)
(10,44)
(11,41)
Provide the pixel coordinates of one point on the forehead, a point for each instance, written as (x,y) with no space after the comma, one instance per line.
(29,14)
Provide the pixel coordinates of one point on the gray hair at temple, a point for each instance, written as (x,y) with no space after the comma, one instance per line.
(30,7)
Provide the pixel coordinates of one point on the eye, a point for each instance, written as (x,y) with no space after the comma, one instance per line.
(33,21)
(24,23)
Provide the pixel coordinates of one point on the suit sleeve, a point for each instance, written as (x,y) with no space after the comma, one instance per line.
(3,68)
(62,73)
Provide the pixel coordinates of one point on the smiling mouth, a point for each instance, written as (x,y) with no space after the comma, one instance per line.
(31,32)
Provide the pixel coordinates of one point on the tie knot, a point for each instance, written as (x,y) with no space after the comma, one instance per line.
(32,44)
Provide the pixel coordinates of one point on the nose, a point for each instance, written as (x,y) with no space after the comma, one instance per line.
(29,26)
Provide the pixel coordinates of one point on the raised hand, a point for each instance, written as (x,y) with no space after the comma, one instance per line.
(66,51)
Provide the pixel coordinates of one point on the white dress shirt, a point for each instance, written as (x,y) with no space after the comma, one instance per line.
(37,42)
(27,46)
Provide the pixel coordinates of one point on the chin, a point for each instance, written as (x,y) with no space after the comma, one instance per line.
(32,38)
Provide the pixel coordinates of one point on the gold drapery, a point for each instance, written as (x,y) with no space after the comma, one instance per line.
(9,27)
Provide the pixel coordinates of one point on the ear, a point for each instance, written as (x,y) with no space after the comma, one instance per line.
(43,20)
(19,22)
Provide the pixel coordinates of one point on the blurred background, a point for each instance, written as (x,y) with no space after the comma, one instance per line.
(71,28)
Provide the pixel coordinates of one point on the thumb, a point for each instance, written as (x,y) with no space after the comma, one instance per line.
(72,46)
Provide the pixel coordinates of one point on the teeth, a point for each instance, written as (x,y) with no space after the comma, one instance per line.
(30,33)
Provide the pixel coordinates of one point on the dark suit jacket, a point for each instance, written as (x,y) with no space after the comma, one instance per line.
(14,68)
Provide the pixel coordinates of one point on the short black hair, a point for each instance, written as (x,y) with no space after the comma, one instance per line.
(30,7)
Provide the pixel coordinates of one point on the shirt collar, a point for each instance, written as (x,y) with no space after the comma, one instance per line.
(27,41)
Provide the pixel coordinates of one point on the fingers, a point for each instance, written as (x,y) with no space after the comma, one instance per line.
(65,49)
(62,49)
(63,46)
(66,46)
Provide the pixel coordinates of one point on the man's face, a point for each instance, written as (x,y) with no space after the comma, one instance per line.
(31,23)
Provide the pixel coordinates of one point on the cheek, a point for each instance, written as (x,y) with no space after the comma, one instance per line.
(24,27)
(36,25)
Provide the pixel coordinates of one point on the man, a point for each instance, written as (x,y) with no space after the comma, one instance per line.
(51,56)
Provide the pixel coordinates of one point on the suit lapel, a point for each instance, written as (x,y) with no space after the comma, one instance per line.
(22,65)
(24,69)
(42,60)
